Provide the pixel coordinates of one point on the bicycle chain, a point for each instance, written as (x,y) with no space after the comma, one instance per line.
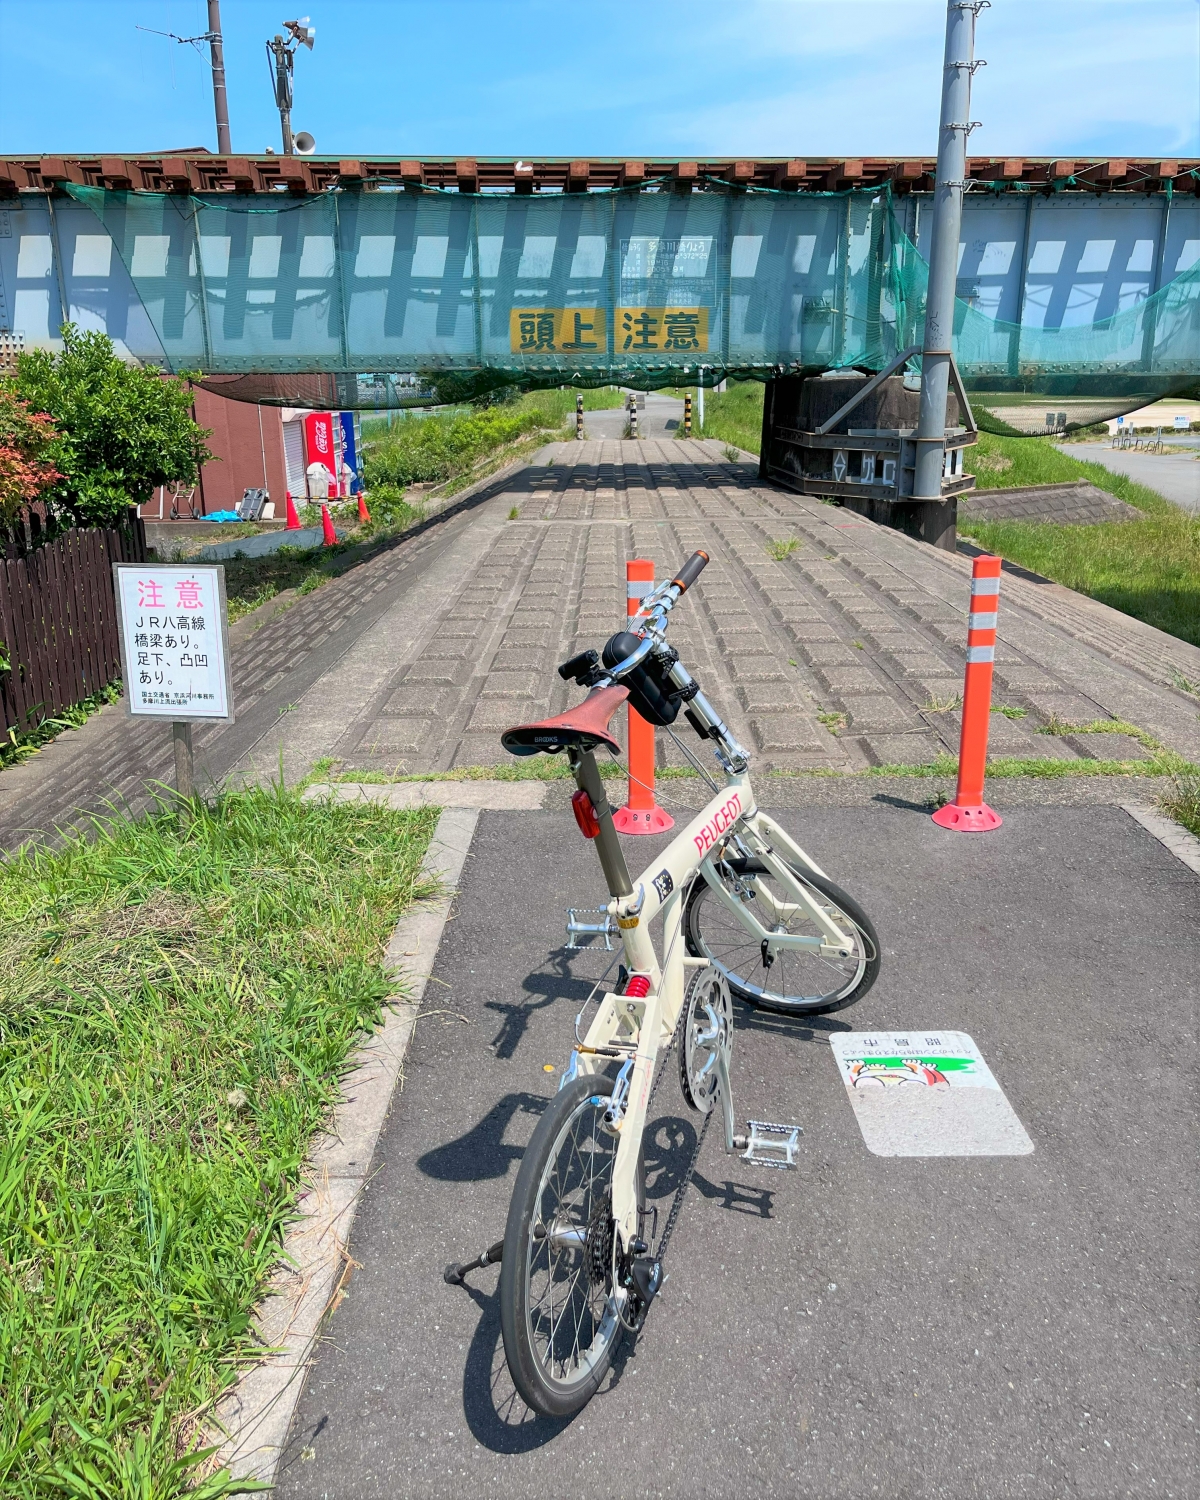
(660,1249)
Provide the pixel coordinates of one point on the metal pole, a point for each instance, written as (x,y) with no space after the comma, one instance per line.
(943,249)
(181,736)
(283,91)
(220,98)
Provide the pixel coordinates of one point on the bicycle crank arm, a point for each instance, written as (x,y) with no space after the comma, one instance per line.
(453,1274)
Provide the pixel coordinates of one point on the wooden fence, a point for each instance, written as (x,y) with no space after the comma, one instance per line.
(58,617)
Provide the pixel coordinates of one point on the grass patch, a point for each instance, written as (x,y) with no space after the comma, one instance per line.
(732,416)
(18,745)
(1006,767)
(781,548)
(1148,568)
(1182,801)
(175,1006)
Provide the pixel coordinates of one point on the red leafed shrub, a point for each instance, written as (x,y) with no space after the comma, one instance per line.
(25,437)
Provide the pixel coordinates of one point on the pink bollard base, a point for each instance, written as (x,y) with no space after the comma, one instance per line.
(642,820)
(977,819)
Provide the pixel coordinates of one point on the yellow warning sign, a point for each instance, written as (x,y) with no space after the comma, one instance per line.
(683,330)
(558,330)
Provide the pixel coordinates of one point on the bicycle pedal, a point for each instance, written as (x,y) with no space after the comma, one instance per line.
(772,1145)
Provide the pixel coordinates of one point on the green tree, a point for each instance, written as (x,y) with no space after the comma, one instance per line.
(123,430)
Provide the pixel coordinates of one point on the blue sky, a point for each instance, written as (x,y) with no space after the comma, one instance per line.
(607,77)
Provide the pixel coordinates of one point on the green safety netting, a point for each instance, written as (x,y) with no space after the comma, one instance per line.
(382,299)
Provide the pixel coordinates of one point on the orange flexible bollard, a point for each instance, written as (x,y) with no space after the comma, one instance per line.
(364,515)
(969,813)
(641,813)
(328,535)
(293,516)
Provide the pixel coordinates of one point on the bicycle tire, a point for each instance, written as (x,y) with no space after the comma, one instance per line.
(530,1263)
(732,958)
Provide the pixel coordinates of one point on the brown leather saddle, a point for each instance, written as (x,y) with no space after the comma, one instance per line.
(585,726)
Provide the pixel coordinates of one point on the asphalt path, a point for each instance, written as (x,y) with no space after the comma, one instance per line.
(1176,476)
(980,1326)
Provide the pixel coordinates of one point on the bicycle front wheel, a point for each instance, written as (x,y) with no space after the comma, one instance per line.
(560,1312)
(795,981)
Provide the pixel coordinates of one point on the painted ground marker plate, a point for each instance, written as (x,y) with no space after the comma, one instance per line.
(926,1093)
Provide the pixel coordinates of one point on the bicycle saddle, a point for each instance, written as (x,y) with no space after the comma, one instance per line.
(585,726)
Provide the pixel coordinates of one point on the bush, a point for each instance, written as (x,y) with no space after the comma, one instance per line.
(122,430)
(26,438)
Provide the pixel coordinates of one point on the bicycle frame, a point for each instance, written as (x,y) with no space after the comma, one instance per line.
(632,1029)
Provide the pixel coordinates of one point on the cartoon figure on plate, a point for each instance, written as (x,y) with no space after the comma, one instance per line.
(887,1074)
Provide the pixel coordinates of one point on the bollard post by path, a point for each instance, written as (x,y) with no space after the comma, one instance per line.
(641,813)
(579,416)
(969,813)
(687,414)
(633,420)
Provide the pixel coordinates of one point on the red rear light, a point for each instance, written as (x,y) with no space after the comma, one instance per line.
(585,814)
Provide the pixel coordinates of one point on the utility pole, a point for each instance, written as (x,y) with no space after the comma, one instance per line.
(220,98)
(937,353)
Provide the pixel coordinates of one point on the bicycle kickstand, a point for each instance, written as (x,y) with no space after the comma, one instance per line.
(453,1274)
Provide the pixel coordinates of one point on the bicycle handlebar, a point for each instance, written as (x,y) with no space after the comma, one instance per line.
(690,571)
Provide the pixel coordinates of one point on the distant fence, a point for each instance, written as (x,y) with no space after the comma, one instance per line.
(58,618)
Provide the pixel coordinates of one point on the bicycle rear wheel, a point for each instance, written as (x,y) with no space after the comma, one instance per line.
(560,1309)
(795,981)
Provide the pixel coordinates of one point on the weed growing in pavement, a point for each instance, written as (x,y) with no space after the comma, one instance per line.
(1184,684)
(177,1002)
(732,454)
(1008,711)
(18,745)
(513,513)
(834,722)
(782,548)
(1182,801)
(942,705)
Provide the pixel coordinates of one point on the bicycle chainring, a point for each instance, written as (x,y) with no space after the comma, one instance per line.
(704,1030)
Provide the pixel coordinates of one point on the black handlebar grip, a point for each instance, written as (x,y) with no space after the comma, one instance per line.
(690,571)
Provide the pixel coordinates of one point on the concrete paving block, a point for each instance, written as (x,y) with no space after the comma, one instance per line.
(900,749)
(1107,746)
(877,712)
(1066,707)
(513,685)
(388,735)
(853,680)
(418,700)
(786,732)
(437,669)
(498,714)
(829,653)
(756,669)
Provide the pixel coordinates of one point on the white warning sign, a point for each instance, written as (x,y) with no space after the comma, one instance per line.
(926,1093)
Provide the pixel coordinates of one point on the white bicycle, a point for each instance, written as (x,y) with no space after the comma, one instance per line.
(744,912)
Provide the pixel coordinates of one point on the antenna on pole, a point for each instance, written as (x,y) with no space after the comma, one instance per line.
(217,60)
(281,56)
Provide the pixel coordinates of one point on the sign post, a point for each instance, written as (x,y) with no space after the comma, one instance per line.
(174,634)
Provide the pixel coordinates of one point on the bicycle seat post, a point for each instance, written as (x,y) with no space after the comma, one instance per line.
(608,845)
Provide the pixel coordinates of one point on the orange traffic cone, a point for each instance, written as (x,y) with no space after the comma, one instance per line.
(364,515)
(293,519)
(328,533)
